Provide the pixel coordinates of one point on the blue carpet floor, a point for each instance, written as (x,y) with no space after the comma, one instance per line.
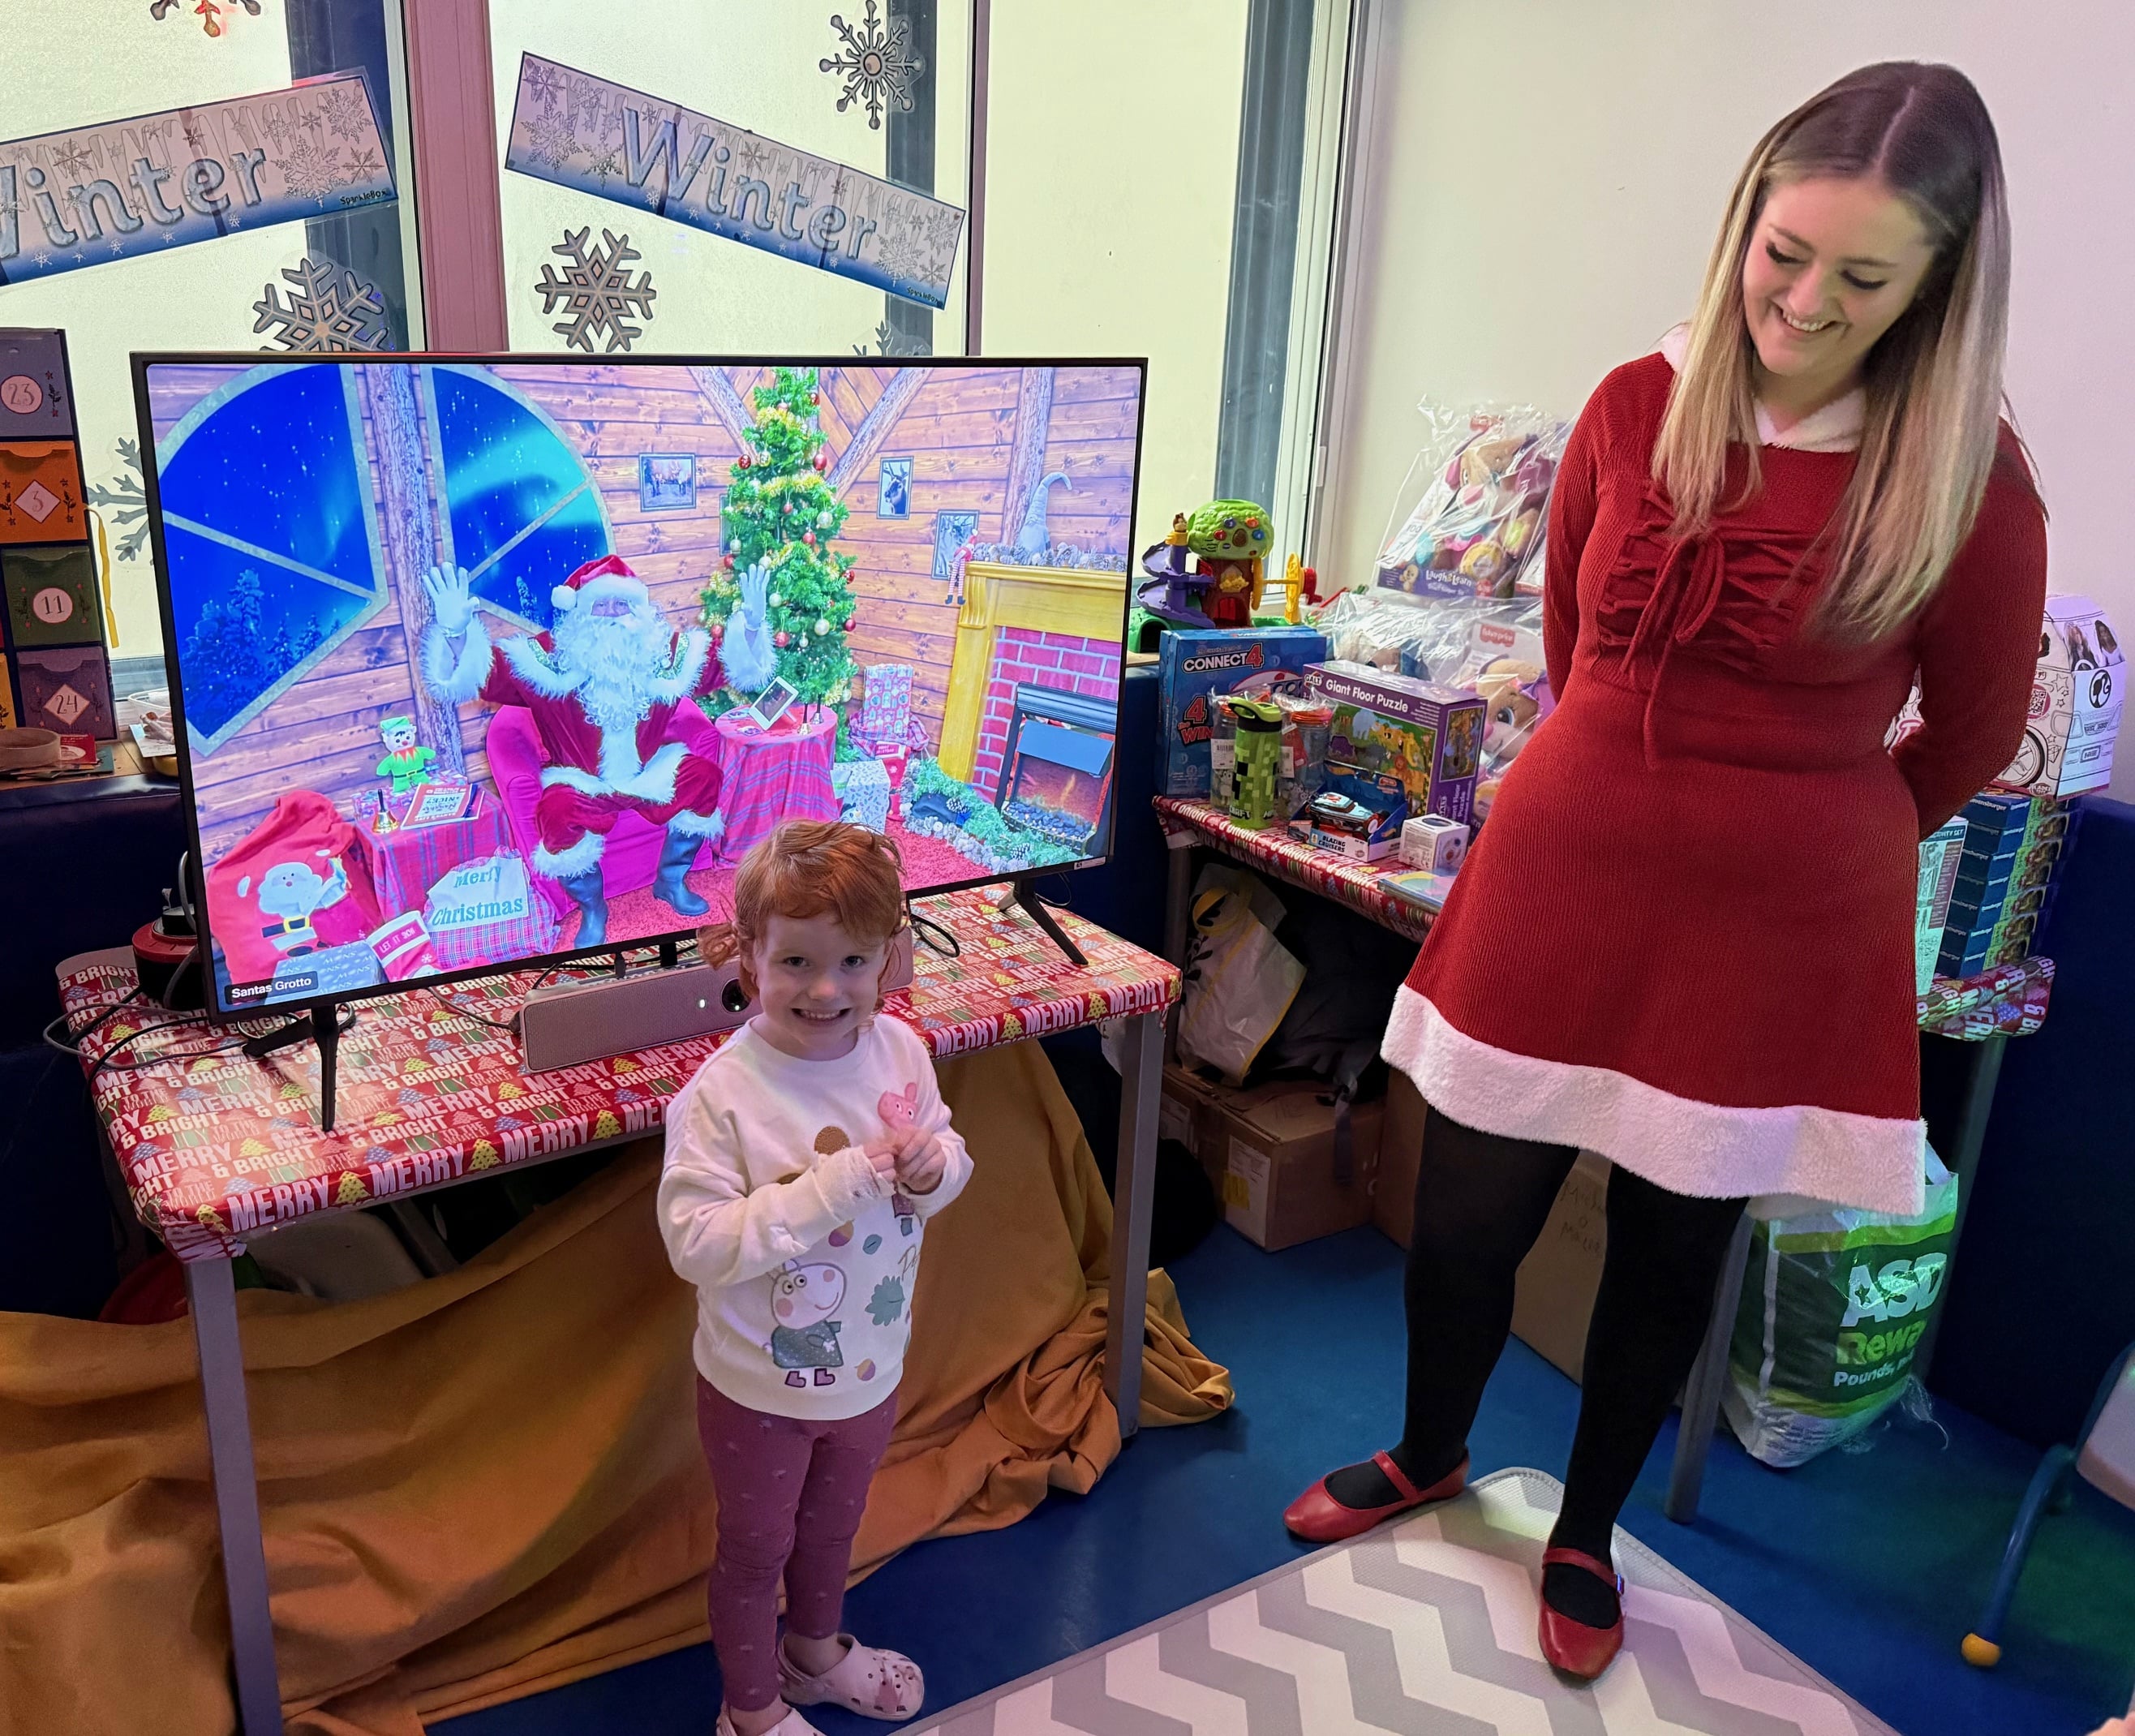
(1868,1566)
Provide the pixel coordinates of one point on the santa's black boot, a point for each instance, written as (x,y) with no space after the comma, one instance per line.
(590,895)
(668,885)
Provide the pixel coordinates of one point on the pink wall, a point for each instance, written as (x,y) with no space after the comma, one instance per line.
(1055,660)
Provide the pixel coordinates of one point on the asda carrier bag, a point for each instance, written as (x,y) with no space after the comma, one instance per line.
(1834,1305)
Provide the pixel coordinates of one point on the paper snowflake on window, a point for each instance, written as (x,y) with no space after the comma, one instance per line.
(210,12)
(124,501)
(596,292)
(329,307)
(310,170)
(876,66)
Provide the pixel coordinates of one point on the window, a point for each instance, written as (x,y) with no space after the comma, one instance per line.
(146,281)
(272,536)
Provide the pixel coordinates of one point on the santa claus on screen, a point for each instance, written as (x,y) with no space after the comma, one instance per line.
(602,685)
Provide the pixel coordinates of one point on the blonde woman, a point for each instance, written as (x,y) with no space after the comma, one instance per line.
(1685,939)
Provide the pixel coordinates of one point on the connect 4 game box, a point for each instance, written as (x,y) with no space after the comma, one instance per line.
(1198,663)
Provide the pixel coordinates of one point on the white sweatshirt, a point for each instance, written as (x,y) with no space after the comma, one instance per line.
(803,1257)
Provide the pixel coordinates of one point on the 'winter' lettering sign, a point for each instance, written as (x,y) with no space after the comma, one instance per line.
(583,132)
(90,195)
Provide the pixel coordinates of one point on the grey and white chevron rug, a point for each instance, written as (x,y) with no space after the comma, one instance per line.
(1426,1624)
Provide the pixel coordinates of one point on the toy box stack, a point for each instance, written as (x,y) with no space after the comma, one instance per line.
(1941,853)
(1429,737)
(2012,845)
(56,677)
(2077,699)
(1198,664)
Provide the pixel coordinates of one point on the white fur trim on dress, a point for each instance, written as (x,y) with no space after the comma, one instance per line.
(456,678)
(693,650)
(691,825)
(1704,1150)
(531,663)
(654,781)
(563,864)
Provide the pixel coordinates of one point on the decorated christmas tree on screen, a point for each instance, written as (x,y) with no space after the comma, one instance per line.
(780,511)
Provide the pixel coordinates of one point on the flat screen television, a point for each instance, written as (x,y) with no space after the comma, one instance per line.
(481,662)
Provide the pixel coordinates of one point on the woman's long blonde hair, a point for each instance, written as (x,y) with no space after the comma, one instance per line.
(1934,380)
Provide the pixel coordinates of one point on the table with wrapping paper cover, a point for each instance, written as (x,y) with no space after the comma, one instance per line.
(770,776)
(1981,1012)
(214,1146)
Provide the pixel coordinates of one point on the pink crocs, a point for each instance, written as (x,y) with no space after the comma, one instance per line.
(871,1682)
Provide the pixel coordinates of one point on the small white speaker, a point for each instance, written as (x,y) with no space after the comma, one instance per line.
(564,1024)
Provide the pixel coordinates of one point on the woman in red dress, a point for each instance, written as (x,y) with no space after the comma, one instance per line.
(1684,941)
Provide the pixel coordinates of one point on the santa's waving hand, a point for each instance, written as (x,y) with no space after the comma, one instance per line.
(603,686)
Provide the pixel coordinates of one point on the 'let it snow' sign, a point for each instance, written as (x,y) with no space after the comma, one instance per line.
(90,195)
(583,132)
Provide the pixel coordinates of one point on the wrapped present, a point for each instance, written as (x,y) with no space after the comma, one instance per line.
(886,701)
(486,912)
(864,788)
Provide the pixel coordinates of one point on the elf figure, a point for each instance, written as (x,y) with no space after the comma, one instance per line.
(407,762)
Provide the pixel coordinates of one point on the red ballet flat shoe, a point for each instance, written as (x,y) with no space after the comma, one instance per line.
(1318,1517)
(1573,1646)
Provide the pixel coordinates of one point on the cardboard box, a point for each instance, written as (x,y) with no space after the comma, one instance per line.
(1434,843)
(51,596)
(1281,1182)
(1429,737)
(2078,693)
(1940,853)
(1553,1295)
(1354,813)
(36,403)
(68,690)
(41,499)
(1196,662)
(1186,1111)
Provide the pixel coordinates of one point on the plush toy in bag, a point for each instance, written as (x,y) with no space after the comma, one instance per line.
(296,885)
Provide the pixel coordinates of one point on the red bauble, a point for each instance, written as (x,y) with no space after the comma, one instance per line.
(741,463)
(821,461)
(852,626)
(779,639)
(808,537)
(815,397)
(726,561)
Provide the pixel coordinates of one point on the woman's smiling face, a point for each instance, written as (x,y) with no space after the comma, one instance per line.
(1832,265)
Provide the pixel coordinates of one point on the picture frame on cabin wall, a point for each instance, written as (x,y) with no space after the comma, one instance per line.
(667,482)
(951,530)
(893,497)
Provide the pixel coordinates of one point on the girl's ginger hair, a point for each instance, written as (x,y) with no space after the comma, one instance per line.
(811,868)
(1933,381)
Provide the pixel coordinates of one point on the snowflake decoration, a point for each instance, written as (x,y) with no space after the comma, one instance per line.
(876,66)
(329,308)
(546,82)
(72,158)
(347,115)
(595,290)
(904,252)
(363,166)
(210,12)
(278,124)
(888,342)
(550,141)
(753,157)
(310,170)
(607,167)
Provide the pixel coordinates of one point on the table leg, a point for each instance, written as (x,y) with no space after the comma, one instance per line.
(1133,1200)
(211,1292)
(1701,1398)
(1963,1161)
(1178,896)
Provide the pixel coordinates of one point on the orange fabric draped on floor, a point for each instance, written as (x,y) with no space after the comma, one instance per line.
(489,1483)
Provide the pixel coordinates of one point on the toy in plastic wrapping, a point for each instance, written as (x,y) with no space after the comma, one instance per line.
(1301,763)
(1258,723)
(1476,519)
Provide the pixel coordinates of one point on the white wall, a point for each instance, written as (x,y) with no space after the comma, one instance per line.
(1518,248)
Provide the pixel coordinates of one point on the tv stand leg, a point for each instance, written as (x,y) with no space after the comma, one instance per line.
(1026,894)
(326,1032)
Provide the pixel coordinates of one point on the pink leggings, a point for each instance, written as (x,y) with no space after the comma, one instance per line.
(791,1496)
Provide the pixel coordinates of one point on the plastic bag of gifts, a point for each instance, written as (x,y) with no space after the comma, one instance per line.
(1468,516)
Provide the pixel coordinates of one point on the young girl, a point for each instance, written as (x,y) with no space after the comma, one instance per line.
(803,1162)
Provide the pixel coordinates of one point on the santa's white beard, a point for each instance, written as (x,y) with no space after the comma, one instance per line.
(618,657)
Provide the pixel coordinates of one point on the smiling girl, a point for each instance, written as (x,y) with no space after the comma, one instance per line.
(1758,536)
(803,1162)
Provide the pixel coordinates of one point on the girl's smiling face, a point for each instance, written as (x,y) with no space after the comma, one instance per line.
(817,986)
(1832,265)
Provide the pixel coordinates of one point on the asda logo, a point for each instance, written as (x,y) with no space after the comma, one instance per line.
(1900,1288)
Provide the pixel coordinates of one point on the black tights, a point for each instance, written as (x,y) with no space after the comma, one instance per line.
(1481,1201)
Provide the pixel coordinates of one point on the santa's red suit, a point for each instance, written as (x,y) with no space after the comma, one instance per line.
(605,713)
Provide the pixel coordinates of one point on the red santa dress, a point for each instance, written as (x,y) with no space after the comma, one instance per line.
(599,768)
(1685,939)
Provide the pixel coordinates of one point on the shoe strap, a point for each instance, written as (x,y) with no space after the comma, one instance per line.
(1601,1569)
(1402,1486)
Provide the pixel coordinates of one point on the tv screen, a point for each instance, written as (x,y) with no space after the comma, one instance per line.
(483,662)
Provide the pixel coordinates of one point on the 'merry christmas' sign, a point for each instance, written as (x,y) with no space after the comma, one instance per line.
(583,132)
(90,195)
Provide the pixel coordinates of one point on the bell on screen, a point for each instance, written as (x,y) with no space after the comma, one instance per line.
(481,663)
